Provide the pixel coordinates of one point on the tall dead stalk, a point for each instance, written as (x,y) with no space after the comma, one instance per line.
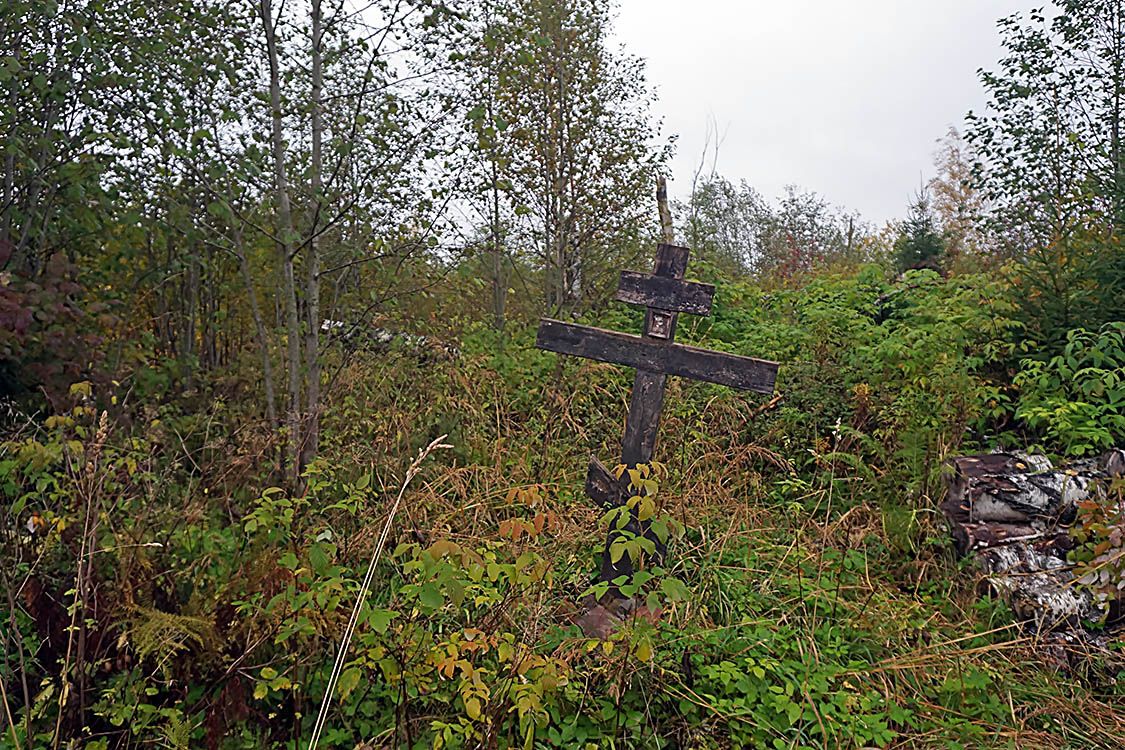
(349,631)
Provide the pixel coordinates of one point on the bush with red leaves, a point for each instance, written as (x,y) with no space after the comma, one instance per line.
(51,334)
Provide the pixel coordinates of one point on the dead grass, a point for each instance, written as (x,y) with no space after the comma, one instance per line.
(915,602)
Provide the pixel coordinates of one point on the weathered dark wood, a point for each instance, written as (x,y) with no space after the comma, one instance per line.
(746,373)
(610,492)
(674,295)
(647,399)
(637,446)
(655,357)
(645,405)
(602,487)
(667,231)
(671,261)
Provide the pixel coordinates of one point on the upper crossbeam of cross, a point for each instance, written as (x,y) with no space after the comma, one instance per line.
(655,355)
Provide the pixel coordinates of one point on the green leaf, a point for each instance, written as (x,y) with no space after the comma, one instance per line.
(675,590)
(380,619)
(430,596)
(456,592)
(319,558)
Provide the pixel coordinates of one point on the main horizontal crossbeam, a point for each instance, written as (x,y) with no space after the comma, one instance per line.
(732,370)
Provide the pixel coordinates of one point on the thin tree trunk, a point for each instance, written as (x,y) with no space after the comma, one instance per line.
(259,330)
(169,335)
(191,302)
(9,178)
(666,228)
(311,439)
(1117,80)
(566,256)
(499,282)
(285,246)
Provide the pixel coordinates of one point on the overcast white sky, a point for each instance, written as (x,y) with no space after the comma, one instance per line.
(844,98)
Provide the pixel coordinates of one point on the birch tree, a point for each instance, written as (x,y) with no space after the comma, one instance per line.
(582,154)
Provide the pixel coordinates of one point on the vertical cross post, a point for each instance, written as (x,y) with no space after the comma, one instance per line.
(647,399)
(645,406)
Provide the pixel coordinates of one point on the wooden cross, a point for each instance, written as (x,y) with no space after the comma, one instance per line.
(655,356)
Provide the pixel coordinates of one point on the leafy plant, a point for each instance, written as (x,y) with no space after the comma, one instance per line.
(1099,554)
(1077,398)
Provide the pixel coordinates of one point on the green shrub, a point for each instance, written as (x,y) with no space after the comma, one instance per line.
(1076,400)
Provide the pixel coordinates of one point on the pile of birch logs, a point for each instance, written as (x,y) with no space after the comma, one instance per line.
(1012,512)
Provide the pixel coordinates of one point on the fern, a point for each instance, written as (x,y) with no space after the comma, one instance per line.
(164,636)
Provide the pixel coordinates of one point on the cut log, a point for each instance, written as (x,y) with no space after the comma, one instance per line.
(974,536)
(1012,512)
(1039,587)
(1016,490)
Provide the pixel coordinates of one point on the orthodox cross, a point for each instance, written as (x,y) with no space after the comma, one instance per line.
(655,356)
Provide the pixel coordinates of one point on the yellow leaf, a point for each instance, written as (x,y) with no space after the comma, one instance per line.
(442,548)
(348,681)
(644,651)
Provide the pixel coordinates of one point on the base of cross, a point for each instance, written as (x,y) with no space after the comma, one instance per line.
(601,619)
(609,492)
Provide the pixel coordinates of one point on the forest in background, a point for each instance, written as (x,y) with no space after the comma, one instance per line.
(257,256)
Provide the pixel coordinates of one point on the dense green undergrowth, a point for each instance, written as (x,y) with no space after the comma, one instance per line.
(163,593)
